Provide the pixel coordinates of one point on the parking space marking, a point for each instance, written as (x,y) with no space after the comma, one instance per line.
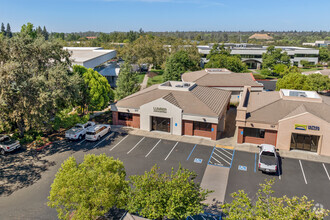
(153,148)
(302,169)
(135,145)
(171,150)
(221,157)
(326,171)
(255,162)
(81,141)
(191,152)
(101,141)
(119,143)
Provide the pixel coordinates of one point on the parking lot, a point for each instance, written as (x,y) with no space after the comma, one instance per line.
(139,154)
(295,178)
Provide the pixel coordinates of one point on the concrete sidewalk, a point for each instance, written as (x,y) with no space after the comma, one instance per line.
(228,141)
(145,82)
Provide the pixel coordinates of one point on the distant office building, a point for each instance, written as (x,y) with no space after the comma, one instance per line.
(261,37)
(318,43)
(252,55)
(225,80)
(90,57)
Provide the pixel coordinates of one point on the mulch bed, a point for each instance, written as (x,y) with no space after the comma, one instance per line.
(152,74)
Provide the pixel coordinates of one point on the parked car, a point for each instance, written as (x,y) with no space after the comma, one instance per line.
(7,144)
(268,160)
(78,132)
(97,131)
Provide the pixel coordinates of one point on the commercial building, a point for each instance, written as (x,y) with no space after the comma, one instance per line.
(288,119)
(224,79)
(180,108)
(318,43)
(252,55)
(90,57)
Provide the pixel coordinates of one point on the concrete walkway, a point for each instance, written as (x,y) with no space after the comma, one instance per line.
(145,81)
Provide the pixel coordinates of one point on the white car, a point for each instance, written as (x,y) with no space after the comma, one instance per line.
(7,144)
(97,131)
(268,161)
(78,132)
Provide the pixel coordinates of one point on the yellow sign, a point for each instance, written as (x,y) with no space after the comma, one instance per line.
(300,127)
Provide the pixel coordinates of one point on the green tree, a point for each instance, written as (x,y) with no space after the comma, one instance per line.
(319,82)
(178,63)
(324,54)
(274,56)
(8,31)
(279,68)
(174,196)
(270,207)
(3,30)
(95,91)
(27,29)
(45,33)
(89,189)
(127,82)
(35,81)
(296,81)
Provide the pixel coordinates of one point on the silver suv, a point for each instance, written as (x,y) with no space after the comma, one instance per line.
(7,144)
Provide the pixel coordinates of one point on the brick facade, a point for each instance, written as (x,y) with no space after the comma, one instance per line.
(270,138)
(135,123)
(188,129)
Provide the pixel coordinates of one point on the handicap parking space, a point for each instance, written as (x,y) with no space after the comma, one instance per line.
(222,157)
(295,178)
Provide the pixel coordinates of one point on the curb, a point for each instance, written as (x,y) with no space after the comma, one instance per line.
(42,147)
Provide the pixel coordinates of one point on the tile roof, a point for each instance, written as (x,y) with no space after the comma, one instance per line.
(267,107)
(198,101)
(230,79)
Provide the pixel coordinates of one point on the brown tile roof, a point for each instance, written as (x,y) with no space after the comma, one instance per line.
(198,101)
(268,108)
(230,79)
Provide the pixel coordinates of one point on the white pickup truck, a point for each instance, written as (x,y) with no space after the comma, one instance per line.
(78,132)
(268,161)
(7,144)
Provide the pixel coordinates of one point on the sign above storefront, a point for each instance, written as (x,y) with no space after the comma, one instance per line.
(160,110)
(305,127)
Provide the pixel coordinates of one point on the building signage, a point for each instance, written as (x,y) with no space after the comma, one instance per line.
(160,109)
(305,127)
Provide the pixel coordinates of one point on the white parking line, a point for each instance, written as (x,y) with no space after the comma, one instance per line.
(223,154)
(220,157)
(171,150)
(326,171)
(101,141)
(227,151)
(153,148)
(81,141)
(302,169)
(203,217)
(217,160)
(119,143)
(136,145)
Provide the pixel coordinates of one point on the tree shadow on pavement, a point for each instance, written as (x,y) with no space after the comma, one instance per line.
(20,169)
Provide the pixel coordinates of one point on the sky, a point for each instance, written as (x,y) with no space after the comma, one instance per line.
(168,15)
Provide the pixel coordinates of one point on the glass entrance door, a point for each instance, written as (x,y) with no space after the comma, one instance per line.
(304,142)
(161,124)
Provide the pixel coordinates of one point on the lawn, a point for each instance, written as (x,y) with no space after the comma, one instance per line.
(140,77)
(310,69)
(157,78)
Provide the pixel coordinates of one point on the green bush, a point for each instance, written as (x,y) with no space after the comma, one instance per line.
(66,120)
(266,72)
(29,136)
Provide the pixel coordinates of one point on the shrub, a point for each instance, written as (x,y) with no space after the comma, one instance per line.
(66,120)
(266,72)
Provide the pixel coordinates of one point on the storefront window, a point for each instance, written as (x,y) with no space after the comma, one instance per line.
(125,116)
(202,126)
(254,132)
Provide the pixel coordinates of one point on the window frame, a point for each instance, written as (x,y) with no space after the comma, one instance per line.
(254,132)
(127,117)
(197,126)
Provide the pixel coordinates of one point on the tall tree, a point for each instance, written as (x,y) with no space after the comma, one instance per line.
(35,81)
(45,33)
(178,63)
(270,207)
(274,56)
(127,82)
(294,81)
(89,189)
(3,30)
(8,31)
(159,196)
(319,82)
(95,91)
